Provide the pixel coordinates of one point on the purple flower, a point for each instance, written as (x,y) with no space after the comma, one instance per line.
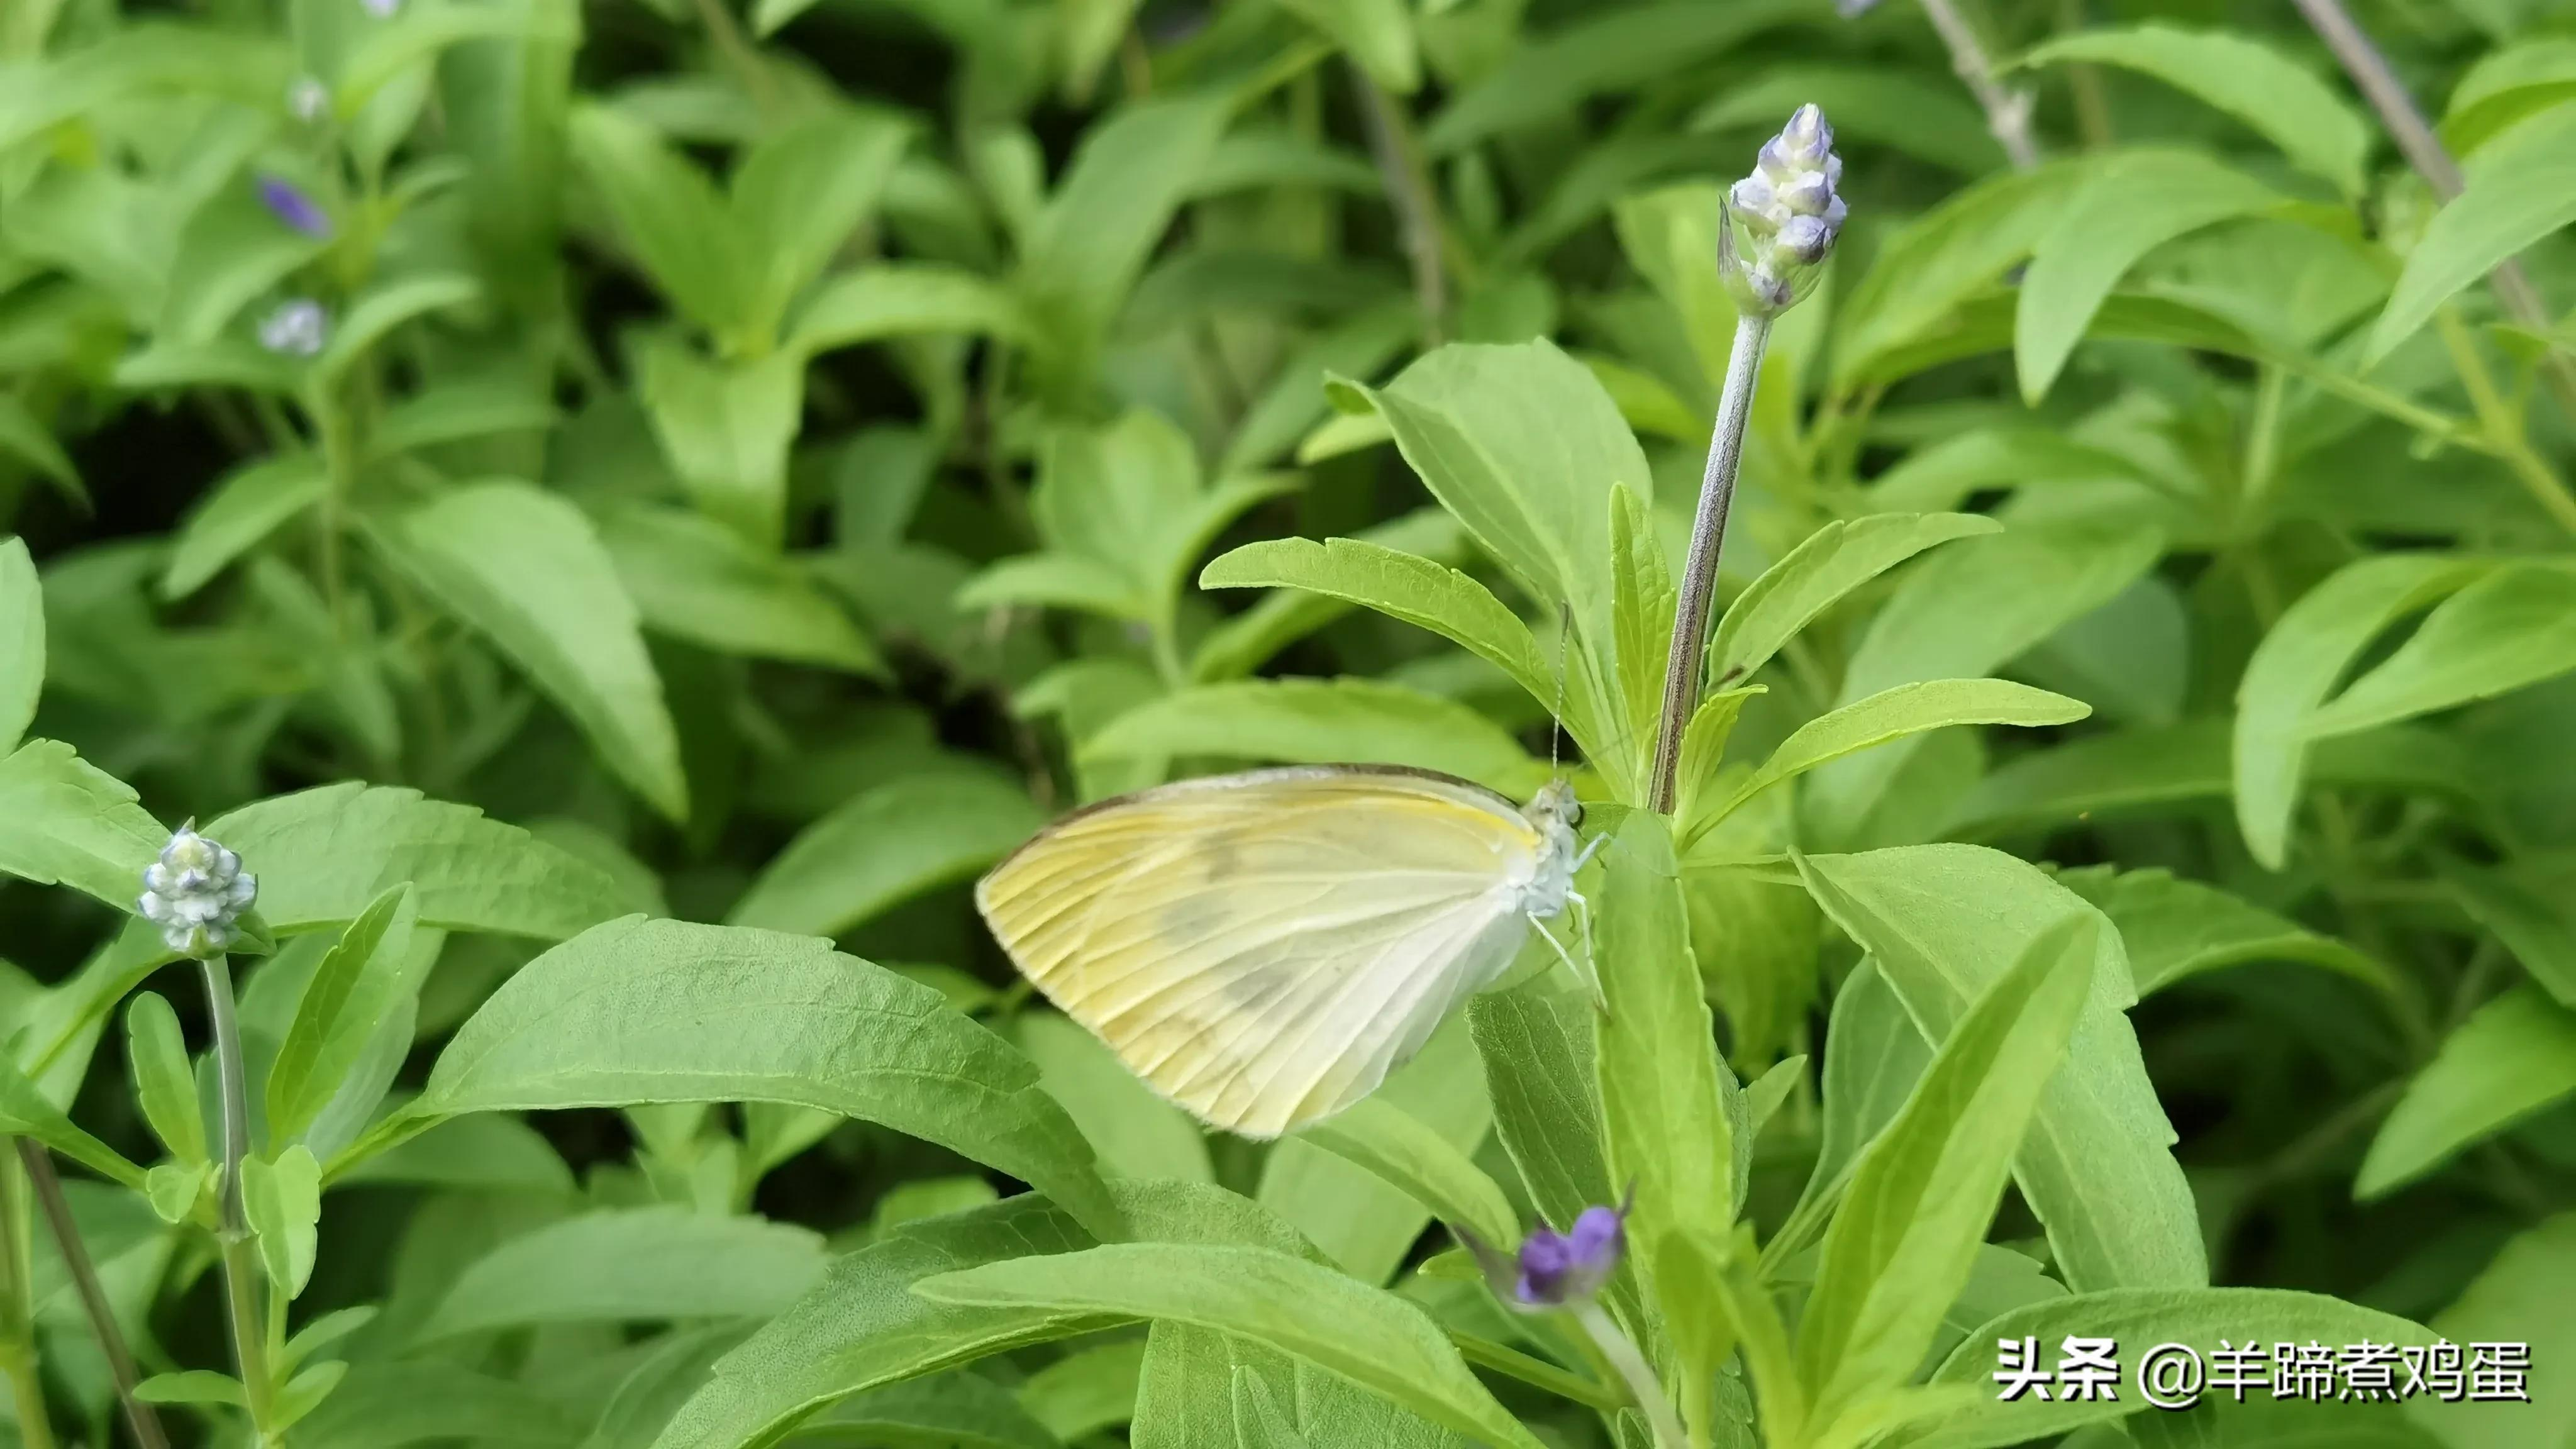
(289,204)
(1560,1268)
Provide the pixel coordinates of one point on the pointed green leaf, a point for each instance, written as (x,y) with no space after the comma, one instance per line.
(885,846)
(165,1082)
(1922,1196)
(528,571)
(2285,103)
(1373,1338)
(22,641)
(237,514)
(695,579)
(640,1011)
(630,1264)
(1819,573)
(2520,191)
(2516,1055)
(362,981)
(1322,721)
(63,819)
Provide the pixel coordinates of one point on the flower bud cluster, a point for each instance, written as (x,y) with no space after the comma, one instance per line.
(196,893)
(1783,219)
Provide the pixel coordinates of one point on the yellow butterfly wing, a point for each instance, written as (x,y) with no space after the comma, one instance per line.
(1264,948)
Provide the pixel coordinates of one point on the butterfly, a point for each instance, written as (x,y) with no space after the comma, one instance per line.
(1263,948)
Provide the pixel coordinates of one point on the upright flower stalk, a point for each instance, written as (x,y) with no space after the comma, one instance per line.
(196,893)
(1565,1272)
(1781,224)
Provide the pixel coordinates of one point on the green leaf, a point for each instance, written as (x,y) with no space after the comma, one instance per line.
(1967,611)
(2519,1298)
(799,193)
(237,514)
(1937,261)
(2516,1055)
(2133,204)
(1902,1246)
(421,1401)
(165,1084)
(1087,1390)
(1136,1132)
(1403,1151)
(2176,929)
(174,1190)
(32,443)
(361,983)
(1873,1056)
(305,1392)
(419,32)
(1819,573)
(694,579)
(1376,34)
(383,308)
(2506,86)
(2514,627)
(883,847)
(673,220)
(1665,1121)
(2282,102)
(1546,76)
(1372,1338)
(24,1112)
(528,571)
(192,1386)
(1246,641)
(640,1011)
(726,428)
(1642,605)
(862,1327)
(2199,1317)
(22,641)
(1322,721)
(2530,905)
(2520,191)
(1944,921)
(903,299)
(629,1264)
(1400,585)
(2307,650)
(64,820)
(322,855)
(1359,1222)
(283,1201)
(1537,1049)
(483,1153)
(1906,709)
(964,1410)
(231,250)
(1089,244)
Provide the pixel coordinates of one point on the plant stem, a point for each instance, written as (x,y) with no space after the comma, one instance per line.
(102,1317)
(1409,195)
(1708,536)
(2007,111)
(2502,427)
(241,1265)
(2425,152)
(18,1317)
(1630,1365)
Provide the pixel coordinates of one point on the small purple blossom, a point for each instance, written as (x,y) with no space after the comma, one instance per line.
(1560,1268)
(288,203)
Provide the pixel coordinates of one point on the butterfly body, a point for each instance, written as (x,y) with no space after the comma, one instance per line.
(1264,948)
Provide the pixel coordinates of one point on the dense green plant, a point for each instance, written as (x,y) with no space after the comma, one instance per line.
(774,461)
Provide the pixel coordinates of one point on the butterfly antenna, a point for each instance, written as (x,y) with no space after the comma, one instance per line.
(1556,714)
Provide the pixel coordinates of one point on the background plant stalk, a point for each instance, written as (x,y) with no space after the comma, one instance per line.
(102,1316)
(1708,538)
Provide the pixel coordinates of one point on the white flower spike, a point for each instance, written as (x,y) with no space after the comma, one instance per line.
(1783,219)
(196,892)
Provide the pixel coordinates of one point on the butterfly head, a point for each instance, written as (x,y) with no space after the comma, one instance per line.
(1555,813)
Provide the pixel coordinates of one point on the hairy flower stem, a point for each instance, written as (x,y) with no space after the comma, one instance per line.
(1708,536)
(1622,1355)
(2424,151)
(2007,111)
(241,1263)
(102,1318)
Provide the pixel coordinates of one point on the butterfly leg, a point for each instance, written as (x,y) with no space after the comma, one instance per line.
(1584,973)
